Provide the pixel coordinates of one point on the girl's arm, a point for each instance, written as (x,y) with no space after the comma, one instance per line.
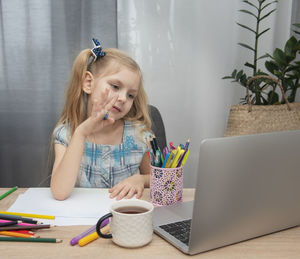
(67,160)
(66,166)
(133,184)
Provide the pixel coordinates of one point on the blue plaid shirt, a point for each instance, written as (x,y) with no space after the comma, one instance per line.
(106,165)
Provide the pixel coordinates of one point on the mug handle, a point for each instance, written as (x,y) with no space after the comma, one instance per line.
(108,215)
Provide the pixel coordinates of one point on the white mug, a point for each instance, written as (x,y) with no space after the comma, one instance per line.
(130,224)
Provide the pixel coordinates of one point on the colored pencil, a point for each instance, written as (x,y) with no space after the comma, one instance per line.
(10,223)
(5,220)
(18,223)
(88,239)
(8,192)
(26,227)
(75,240)
(27,232)
(91,237)
(30,239)
(27,224)
(14,218)
(13,234)
(30,215)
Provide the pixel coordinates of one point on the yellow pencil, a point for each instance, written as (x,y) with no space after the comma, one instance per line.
(30,215)
(14,234)
(91,237)
(177,157)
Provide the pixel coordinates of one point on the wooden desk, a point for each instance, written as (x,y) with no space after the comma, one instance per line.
(284,244)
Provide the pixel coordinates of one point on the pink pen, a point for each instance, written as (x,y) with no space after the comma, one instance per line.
(16,222)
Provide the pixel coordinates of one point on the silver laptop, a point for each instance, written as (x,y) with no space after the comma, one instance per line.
(247,186)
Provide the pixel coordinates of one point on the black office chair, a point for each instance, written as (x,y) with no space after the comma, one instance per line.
(158,127)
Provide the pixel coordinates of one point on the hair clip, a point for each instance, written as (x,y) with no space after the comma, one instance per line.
(97,50)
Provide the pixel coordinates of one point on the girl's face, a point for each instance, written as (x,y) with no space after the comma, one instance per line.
(125,83)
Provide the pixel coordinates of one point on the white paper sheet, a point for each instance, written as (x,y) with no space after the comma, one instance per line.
(84,206)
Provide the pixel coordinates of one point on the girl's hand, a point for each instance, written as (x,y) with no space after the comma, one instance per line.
(96,121)
(128,187)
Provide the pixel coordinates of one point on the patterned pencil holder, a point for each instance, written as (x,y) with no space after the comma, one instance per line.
(166,185)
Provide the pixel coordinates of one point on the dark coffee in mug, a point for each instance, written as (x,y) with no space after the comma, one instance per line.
(131,210)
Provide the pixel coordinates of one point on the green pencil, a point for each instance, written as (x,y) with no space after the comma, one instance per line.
(30,239)
(9,192)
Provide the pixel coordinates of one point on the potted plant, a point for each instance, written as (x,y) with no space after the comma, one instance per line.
(282,64)
(281,69)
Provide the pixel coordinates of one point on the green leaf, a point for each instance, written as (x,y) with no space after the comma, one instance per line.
(264,7)
(290,59)
(289,83)
(246,27)
(247,2)
(280,57)
(248,12)
(265,16)
(290,68)
(271,66)
(297,24)
(262,33)
(233,73)
(226,77)
(290,45)
(297,32)
(239,74)
(264,56)
(297,47)
(243,80)
(249,65)
(246,46)
(278,73)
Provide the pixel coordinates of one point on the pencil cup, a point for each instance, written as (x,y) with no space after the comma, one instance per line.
(166,185)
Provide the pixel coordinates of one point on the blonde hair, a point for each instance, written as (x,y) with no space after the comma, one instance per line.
(74,110)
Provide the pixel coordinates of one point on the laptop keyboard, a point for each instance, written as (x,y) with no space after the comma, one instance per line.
(180,230)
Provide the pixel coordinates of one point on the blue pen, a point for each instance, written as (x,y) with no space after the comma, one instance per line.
(185,154)
(165,161)
(187,144)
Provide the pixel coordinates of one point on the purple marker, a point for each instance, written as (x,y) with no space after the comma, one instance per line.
(75,240)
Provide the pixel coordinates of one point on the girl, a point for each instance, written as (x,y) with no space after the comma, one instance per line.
(99,140)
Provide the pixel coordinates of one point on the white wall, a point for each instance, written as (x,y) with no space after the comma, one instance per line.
(184,48)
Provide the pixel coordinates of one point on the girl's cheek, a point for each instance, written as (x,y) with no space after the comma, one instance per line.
(111,94)
(105,91)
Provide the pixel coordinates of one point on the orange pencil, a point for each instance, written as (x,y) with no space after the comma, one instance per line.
(23,232)
(13,234)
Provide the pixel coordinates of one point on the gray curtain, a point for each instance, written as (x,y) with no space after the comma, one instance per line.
(39,40)
(296,16)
